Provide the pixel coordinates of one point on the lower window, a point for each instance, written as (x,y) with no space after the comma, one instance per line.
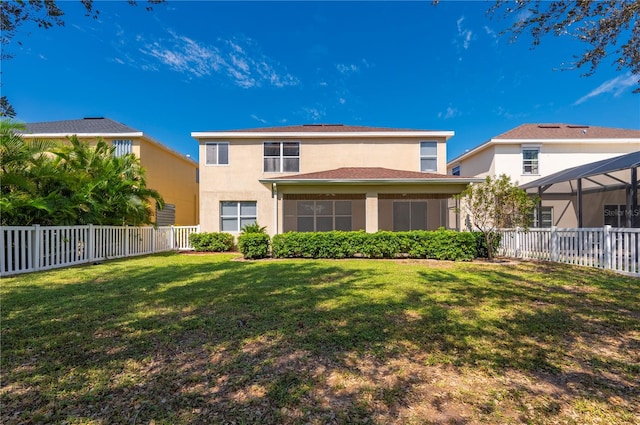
(547,217)
(409,215)
(234,215)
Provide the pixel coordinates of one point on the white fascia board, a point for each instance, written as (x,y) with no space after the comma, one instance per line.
(81,135)
(463,181)
(317,134)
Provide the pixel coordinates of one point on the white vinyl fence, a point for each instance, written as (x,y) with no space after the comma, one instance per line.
(608,248)
(31,248)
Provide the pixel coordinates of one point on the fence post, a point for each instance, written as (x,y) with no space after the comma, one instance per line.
(126,241)
(35,248)
(90,244)
(172,238)
(153,240)
(555,254)
(607,248)
(517,242)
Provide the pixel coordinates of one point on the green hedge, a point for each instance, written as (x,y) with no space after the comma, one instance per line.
(254,245)
(211,242)
(439,244)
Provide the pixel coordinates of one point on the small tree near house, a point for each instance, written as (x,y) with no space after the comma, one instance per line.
(496,203)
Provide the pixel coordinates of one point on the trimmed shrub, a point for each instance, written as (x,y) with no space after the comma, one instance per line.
(481,245)
(254,245)
(440,244)
(211,242)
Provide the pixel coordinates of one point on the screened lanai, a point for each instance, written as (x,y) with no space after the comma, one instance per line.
(590,195)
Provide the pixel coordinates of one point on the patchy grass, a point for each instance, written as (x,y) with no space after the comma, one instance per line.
(180,339)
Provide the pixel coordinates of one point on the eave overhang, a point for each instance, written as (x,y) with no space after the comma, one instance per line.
(320,134)
(371,182)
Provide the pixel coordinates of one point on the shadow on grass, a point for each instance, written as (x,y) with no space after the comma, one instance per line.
(192,340)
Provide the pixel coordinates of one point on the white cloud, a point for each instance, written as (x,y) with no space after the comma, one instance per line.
(260,120)
(347,69)
(616,86)
(464,35)
(342,100)
(237,59)
(314,114)
(449,113)
(352,68)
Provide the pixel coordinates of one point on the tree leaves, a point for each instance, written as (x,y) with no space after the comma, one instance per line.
(610,28)
(75,183)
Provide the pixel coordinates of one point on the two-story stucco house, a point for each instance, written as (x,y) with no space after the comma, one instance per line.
(173,175)
(532,151)
(325,177)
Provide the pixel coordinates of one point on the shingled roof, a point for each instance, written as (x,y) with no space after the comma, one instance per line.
(314,128)
(81,126)
(369,175)
(567,131)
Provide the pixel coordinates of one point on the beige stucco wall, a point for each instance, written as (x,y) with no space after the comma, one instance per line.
(239,180)
(174,177)
(480,165)
(565,210)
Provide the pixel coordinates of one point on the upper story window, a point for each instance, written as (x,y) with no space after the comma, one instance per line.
(217,153)
(281,157)
(428,156)
(455,171)
(122,147)
(530,160)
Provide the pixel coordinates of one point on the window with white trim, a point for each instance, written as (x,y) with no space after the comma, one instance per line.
(281,157)
(547,217)
(217,153)
(530,161)
(428,156)
(234,215)
(455,171)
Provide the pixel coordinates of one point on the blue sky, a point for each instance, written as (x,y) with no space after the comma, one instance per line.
(201,66)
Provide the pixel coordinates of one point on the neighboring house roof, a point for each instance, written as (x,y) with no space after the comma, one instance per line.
(81,126)
(371,175)
(567,131)
(321,130)
(606,173)
(556,133)
(92,128)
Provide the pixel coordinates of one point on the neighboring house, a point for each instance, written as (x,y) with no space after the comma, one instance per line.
(325,177)
(532,151)
(174,175)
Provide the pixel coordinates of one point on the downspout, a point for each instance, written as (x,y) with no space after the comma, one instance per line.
(274,192)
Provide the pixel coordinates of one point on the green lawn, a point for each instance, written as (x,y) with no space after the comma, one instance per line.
(179,339)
